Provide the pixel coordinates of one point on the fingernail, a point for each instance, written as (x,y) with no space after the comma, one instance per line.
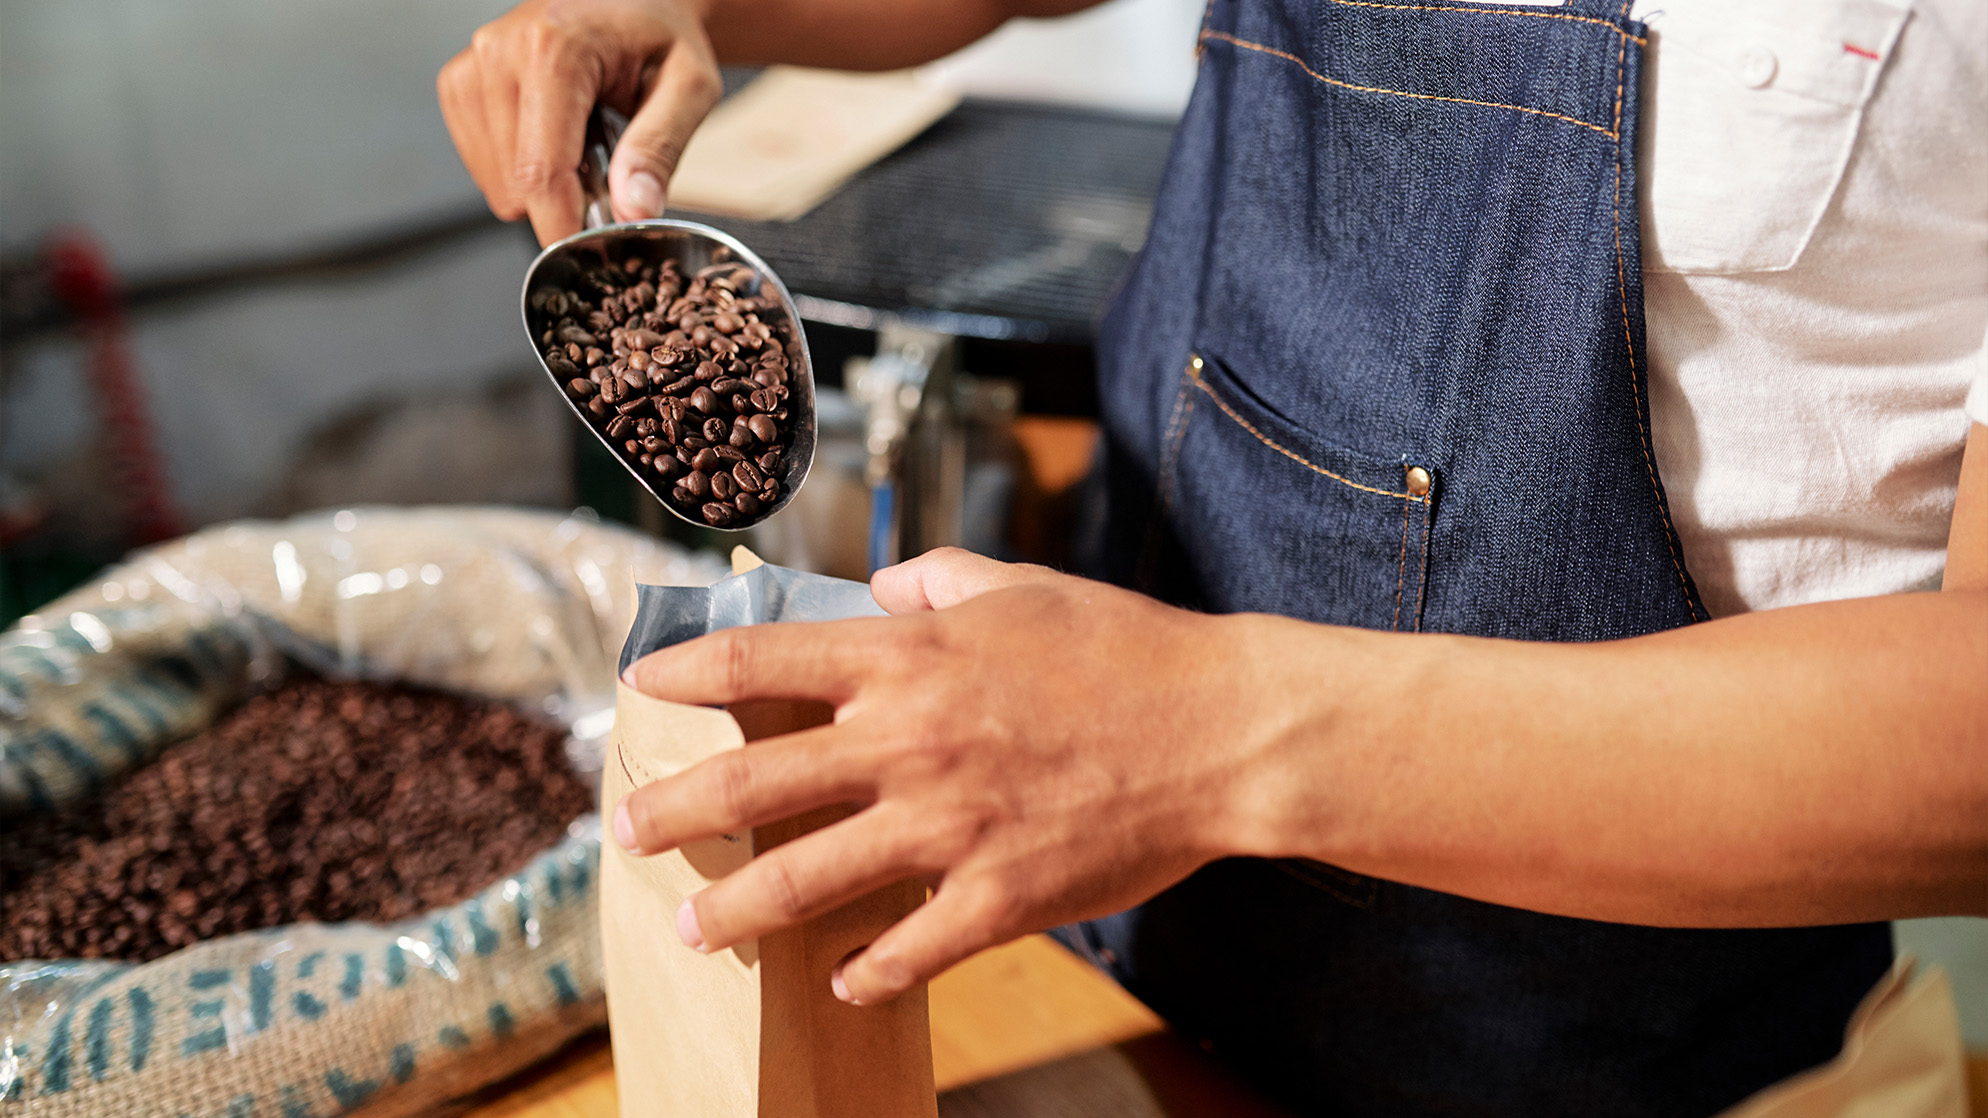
(686,926)
(840,987)
(645,194)
(624,827)
(628,675)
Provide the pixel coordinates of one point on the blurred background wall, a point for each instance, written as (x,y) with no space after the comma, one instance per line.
(207,134)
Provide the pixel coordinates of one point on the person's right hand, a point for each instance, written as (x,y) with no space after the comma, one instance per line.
(517,100)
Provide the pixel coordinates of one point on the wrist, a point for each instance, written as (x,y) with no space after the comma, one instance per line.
(1325,718)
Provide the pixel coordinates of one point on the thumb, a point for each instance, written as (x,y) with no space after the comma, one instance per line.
(687,85)
(947,576)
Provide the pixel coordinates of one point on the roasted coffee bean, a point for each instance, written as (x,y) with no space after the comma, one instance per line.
(723,487)
(748,475)
(770,462)
(717,515)
(317,801)
(619,426)
(747,504)
(667,352)
(698,483)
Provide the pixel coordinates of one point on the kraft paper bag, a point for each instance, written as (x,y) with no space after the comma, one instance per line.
(752,1031)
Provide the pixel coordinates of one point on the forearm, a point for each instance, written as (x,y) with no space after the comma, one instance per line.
(1813,765)
(860,34)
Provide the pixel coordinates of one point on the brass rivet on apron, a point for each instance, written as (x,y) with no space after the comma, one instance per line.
(1194,362)
(1418,482)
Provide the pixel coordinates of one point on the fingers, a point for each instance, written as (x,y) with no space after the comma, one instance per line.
(775,779)
(686,87)
(947,576)
(822,660)
(802,879)
(959,920)
(554,97)
(459,89)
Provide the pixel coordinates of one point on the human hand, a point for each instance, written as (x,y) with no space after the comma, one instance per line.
(1038,748)
(516,103)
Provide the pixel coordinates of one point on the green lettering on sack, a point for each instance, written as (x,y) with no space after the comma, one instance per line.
(402,1067)
(141,1027)
(348,1091)
(96,1043)
(241,1106)
(562,983)
(294,1105)
(262,991)
(355,976)
(482,938)
(453,1037)
(500,1020)
(396,964)
(55,1065)
(307,1007)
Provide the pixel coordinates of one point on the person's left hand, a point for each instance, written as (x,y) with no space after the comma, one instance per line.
(1039,748)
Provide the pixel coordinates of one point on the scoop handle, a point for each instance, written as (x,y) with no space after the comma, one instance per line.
(604,128)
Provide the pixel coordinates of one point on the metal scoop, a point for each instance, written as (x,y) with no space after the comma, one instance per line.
(693,247)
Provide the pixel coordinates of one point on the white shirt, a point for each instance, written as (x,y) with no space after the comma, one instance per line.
(1815,242)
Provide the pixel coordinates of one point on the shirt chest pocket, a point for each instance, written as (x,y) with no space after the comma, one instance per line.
(1750,120)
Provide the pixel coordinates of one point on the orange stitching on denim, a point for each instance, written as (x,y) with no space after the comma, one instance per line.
(1401,568)
(1267,441)
(1636,389)
(1288,57)
(1494,12)
(1422,585)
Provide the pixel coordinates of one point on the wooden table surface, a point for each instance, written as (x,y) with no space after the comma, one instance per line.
(1023,1031)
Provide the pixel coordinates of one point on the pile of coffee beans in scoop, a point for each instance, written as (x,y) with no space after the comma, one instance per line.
(316,801)
(685,376)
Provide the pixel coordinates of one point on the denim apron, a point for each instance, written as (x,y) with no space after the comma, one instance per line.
(1381,363)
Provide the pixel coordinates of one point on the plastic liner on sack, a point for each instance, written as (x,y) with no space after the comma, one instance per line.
(320,1019)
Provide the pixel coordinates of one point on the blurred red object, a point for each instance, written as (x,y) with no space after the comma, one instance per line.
(83,279)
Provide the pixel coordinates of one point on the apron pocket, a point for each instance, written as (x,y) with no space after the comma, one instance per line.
(1276,520)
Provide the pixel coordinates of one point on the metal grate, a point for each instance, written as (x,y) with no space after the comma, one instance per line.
(1003,220)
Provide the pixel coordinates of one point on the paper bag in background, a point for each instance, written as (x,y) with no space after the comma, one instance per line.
(754,1031)
(786,141)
